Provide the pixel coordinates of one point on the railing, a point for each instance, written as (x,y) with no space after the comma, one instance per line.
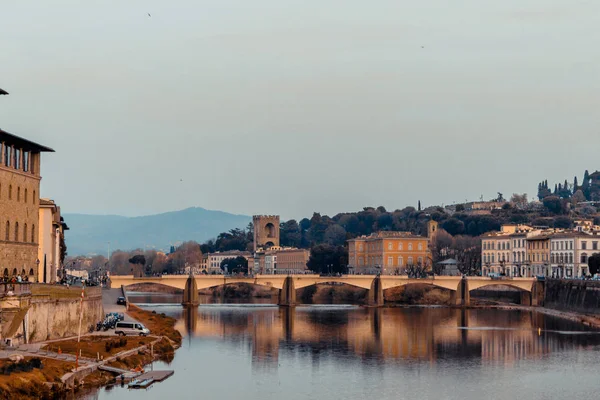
(15,289)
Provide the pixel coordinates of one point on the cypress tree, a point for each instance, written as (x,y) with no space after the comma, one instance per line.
(419,205)
(555,188)
(575,185)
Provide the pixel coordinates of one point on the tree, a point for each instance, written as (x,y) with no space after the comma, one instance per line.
(500,198)
(586,185)
(235,265)
(138,261)
(290,234)
(578,197)
(325,258)
(335,235)
(441,247)
(454,226)
(467,251)
(575,185)
(460,207)
(594,264)
(419,208)
(562,223)
(385,222)
(554,204)
(519,200)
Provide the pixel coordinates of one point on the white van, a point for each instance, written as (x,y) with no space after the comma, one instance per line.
(131,328)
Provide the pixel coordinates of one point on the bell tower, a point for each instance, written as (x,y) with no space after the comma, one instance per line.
(432,228)
(266,231)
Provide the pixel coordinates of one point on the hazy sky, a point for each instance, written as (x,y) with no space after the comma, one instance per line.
(290,107)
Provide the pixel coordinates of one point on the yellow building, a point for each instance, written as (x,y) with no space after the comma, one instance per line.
(19,201)
(51,233)
(387,252)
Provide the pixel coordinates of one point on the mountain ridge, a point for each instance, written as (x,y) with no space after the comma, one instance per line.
(90,233)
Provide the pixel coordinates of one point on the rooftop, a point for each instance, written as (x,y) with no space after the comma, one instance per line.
(389,234)
(20,142)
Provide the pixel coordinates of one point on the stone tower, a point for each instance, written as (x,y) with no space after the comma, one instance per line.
(432,228)
(266,231)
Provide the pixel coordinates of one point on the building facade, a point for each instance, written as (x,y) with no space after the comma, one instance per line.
(538,253)
(387,253)
(19,201)
(51,235)
(281,261)
(562,255)
(211,262)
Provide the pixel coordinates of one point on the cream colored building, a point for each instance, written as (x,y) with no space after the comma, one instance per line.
(51,233)
(211,263)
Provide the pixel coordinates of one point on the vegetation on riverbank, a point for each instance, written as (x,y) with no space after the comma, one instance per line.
(94,346)
(158,324)
(31,382)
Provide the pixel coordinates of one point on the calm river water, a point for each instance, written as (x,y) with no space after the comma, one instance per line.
(261,352)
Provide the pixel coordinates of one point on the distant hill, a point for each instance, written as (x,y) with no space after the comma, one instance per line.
(90,234)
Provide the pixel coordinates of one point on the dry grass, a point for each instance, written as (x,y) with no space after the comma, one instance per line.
(62,292)
(92,345)
(159,324)
(418,294)
(31,385)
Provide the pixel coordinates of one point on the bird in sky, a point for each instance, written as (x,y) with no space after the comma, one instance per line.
(149,15)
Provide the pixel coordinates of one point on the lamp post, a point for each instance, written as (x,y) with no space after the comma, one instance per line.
(37,269)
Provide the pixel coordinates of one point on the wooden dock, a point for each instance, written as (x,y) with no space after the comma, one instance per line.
(144,380)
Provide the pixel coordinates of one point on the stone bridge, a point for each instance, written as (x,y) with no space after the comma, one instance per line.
(531,289)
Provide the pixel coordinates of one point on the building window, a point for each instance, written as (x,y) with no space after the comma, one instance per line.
(584,245)
(18,193)
(420,246)
(10,192)
(25,233)
(16,231)
(584,258)
(399,246)
(410,260)
(594,245)
(400,261)
(34,200)
(390,261)
(570,258)
(420,260)
(25,196)
(360,246)
(7,231)
(410,246)
(389,246)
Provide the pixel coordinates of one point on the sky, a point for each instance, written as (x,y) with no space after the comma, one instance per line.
(289,107)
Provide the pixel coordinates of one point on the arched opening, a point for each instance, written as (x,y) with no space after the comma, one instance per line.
(23,272)
(269,244)
(31,272)
(270,229)
(332,293)
(7,233)
(419,294)
(16,231)
(32,233)
(24,233)
(6,272)
(15,272)
(501,293)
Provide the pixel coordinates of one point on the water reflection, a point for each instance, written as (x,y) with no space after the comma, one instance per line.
(385,334)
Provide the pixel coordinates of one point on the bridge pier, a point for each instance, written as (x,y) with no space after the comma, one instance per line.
(287,295)
(190,293)
(538,293)
(462,297)
(375,295)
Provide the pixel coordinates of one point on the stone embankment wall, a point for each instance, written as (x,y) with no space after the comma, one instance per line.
(573,295)
(55,314)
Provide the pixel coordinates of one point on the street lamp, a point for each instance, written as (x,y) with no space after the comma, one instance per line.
(37,269)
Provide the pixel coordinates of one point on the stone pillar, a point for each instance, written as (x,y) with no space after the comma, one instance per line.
(287,295)
(538,293)
(190,293)
(525,298)
(288,316)
(375,295)
(463,295)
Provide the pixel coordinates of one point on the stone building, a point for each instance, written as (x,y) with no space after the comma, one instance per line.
(19,201)
(281,261)
(266,231)
(51,235)
(387,252)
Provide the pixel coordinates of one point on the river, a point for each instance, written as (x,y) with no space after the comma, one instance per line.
(261,352)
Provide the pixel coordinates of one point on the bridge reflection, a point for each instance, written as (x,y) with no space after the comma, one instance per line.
(375,334)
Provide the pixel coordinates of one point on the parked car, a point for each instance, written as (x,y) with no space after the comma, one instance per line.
(131,328)
(121,301)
